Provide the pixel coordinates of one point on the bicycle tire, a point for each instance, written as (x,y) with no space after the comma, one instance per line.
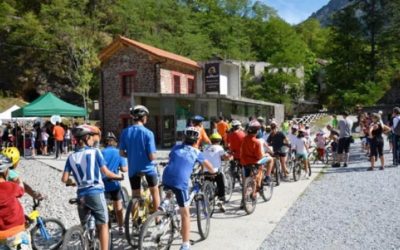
(39,242)
(266,190)
(208,190)
(249,202)
(228,187)
(153,240)
(297,171)
(277,172)
(309,170)
(74,239)
(203,216)
(132,225)
(328,155)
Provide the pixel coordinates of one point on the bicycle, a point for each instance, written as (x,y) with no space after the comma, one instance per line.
(236,172)
(298,168)
(159,229)
(46,233)
(83,236)
(265,190)
(211,189)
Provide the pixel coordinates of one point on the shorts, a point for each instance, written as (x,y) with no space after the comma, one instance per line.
(114,195)
(344,145)
(21,240)
(248,168)
(94,204)
(182,196)
(44,143)
(136,180)
(334,146)
(301,156)
(376,149)
(321,152)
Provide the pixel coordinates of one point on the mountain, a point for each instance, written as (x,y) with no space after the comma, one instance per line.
(326,12)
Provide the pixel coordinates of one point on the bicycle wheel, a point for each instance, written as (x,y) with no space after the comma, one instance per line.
(74,239)
(48,235)
(135,216)
(157,232)
(228,186)
(203,216)
(297,171)
(309,170)
(208,189)
(328,155)
(266,190)
(249,201)
(277,172)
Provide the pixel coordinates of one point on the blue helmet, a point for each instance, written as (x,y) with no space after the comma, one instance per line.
(198,118)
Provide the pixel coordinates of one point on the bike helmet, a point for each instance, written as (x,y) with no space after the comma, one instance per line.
(215,137)
(83,130)
(253,127)
(12,153)
(192,135)
(236,123)
(110,135)
(198,118)
(260,119)
(139,111)
(5,163)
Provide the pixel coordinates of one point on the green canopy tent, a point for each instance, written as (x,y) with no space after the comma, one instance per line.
(48,105)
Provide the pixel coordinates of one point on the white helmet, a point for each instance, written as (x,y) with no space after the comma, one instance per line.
(236,123)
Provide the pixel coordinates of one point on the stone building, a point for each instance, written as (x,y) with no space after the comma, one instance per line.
(173,87)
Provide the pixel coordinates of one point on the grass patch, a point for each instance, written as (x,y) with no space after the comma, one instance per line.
(322,122)
(8,102)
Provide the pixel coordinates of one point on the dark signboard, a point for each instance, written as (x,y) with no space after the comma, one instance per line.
(212,77)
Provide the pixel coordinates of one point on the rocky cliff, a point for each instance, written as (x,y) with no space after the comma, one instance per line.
(325,14)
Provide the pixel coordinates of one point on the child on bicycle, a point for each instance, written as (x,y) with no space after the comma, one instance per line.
(176,176)
(320,141)
(301,147)
(115,163)
(13,154)
(87,164)
(214,153)
(251,152)
(12,218)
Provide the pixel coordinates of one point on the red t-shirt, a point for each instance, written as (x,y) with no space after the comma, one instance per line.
(235,140)
(11,211)
(251,151)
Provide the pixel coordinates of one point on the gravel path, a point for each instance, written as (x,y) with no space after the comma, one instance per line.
(46,180)
(345,208)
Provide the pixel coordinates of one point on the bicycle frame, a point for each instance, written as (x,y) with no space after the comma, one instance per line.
(38,221)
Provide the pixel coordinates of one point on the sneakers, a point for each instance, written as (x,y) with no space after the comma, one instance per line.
(184,247)
(345,165)
(121,231)
(381,168)
(221,206)
(267,180)
(336,165)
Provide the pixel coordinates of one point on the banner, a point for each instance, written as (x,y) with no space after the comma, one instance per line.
(211,77)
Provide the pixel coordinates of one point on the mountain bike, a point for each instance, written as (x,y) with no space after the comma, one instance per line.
(46,233)
(83,236)
(299,168)
(236,173)
(159,229)
(211,189)
(249,194)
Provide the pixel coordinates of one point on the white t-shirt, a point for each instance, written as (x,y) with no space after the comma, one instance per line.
(44,136)
(300,145)
(213,154)
(292,139)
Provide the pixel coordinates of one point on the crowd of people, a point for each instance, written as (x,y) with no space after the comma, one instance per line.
(94,170)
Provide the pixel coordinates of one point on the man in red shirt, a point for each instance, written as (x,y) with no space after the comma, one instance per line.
(12,218)
(58,133)
(251,152)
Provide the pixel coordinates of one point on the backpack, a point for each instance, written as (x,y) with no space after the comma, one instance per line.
(396,130)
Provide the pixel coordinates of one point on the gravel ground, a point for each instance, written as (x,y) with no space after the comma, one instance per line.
(46,180)
(345,208)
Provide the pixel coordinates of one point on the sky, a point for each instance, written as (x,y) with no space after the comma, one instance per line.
(295,11)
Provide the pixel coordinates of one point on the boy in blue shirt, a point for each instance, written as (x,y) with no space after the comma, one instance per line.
(138,145)
(182,159)
(86,165)
(115,163)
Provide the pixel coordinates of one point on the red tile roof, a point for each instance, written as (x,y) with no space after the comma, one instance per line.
(116,44)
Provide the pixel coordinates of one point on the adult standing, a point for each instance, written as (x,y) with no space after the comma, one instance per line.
(376,139)
(58,133)
(396,136)
(138,145)
(279,143)
(333,139)
(197,122)
(345,138)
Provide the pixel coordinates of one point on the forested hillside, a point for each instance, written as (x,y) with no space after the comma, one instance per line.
(53,45)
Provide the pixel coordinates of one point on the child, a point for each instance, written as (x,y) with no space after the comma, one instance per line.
(12,217)
(320,141)
(213,154)
(13,154)
(115,163)
(301,147)
(182,159)
(267,153)
(87,164)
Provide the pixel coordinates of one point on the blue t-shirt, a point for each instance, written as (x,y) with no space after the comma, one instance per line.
(182,159)
(138,142)
(85,164)
(113,162)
